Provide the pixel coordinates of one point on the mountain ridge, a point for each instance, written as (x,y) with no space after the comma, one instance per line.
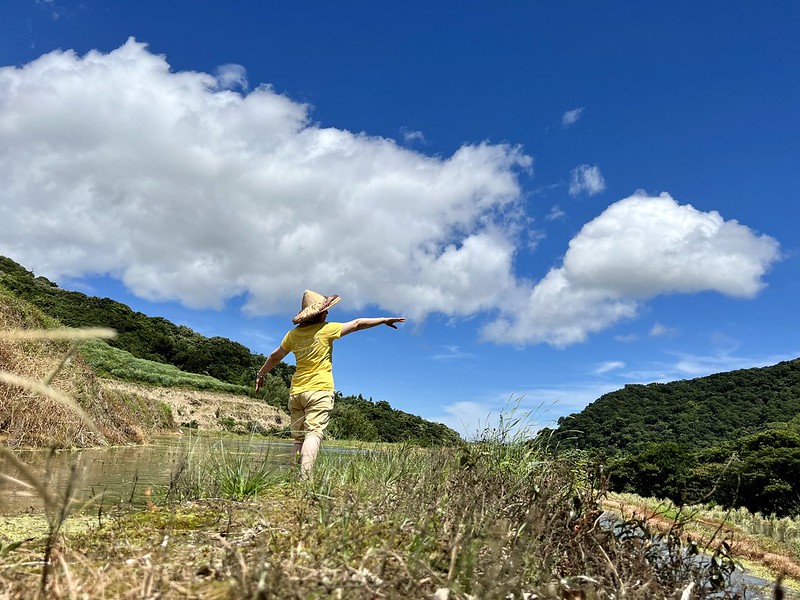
(698,412)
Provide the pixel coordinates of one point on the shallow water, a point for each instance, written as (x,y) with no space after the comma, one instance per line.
(121,474)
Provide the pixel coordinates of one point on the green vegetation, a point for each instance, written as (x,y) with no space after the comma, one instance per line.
(760,472)
(355,418)
(697,413)
(731,439)
(108,361)
(228,469)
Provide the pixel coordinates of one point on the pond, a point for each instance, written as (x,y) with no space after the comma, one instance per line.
(122,474)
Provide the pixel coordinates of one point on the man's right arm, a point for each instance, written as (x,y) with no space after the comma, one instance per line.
(273,359)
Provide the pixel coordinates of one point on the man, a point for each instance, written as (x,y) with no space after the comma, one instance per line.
(311,394)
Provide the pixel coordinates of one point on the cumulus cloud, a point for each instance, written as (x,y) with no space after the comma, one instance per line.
(571,117)
(187,190)
(586,179)
(409,137)
(638,248)
(113,163)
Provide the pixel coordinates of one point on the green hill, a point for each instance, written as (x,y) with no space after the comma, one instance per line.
(697,413)
(151,338)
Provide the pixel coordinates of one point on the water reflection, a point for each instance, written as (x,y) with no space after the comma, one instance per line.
(120,474)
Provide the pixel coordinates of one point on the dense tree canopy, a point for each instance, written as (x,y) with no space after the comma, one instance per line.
(697,413)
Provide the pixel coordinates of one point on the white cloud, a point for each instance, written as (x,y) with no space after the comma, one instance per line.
(586,179)
(626,338)
(112,163)
(232,77)
(698,365)
(452,353)
(688,366)
(610,365)
(638,248)
(571,117)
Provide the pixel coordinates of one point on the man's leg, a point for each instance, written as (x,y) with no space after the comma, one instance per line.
(308,454)
(317,414)
(297,425)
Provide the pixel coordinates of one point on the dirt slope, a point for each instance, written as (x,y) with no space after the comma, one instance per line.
(211,411)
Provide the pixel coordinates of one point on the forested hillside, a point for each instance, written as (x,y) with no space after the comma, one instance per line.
(152,338)
(142,338)
(697,412)
(731,438)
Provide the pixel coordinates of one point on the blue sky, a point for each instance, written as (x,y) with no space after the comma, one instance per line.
(562,197)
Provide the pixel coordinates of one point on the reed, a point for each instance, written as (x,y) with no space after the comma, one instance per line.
(228,471)
(500,518)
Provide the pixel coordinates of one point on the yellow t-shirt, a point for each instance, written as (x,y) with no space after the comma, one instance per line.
(312,346)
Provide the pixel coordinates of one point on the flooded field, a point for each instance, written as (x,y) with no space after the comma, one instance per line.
(122,474)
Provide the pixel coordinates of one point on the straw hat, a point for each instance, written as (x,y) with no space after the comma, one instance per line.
(314,304)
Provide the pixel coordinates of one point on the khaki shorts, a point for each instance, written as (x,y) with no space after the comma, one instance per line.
(310,413)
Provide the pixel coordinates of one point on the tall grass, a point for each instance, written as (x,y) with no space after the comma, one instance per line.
(497,519)
(501,518)
(225,469)
(56,507)
(448,523)
(49,397)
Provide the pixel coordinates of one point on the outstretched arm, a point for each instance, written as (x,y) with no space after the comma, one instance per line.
(366,323)
(273,359)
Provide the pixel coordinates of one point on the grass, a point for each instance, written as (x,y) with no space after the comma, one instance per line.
(401,522)
(223,470)
(108,361)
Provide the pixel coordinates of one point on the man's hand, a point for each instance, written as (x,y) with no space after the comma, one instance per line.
(259,382)
(390,321)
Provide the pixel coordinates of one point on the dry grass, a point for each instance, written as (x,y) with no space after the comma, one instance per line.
(49,397)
